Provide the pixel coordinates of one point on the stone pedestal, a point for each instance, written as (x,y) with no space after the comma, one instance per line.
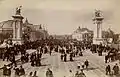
(17,29)
(97,39)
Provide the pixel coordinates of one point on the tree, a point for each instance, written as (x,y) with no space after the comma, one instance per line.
(110,34)
(115,38)
(26,33)
(5,36)
(105,34)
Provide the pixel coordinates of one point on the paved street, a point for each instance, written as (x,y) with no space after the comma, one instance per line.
(2,63)
(65,26)
(61,69)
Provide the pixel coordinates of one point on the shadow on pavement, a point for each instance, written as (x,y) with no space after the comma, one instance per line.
(43,58)
(45,64)
(88,69)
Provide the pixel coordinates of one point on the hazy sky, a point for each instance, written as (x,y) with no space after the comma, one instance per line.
(64,16)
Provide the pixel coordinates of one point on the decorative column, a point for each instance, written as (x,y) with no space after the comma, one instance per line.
(97,39)
(17,26)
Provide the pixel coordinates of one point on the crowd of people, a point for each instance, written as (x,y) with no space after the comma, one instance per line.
(64,47)
(114,71)
(112,53)
(35,59)
(18,71)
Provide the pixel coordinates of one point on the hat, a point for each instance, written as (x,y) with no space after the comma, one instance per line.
(70,70)
(8,67)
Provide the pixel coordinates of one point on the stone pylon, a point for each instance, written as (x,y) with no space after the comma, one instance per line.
(97,39)
(17,28)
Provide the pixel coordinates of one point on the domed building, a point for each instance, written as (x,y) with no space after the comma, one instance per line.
(6,29)
(36,32)
(82,34)
(18,31)
(6,26)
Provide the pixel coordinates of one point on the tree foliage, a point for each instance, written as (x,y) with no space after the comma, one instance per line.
(5,36)
(110,34)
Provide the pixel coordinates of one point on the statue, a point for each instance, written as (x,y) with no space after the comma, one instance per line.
(97,13)
(18,10)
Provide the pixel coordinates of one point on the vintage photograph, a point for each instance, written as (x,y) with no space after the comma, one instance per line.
(59,38)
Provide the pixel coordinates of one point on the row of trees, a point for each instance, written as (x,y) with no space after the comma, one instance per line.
(111,34)
(5,36)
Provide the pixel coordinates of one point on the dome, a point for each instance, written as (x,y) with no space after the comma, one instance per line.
(6,24)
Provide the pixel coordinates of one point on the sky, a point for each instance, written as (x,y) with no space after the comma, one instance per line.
(64,16)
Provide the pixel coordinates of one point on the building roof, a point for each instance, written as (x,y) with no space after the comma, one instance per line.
(26,23)
(83,30)
(6,24)
(33,27)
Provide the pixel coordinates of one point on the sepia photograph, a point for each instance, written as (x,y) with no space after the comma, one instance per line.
(59,38)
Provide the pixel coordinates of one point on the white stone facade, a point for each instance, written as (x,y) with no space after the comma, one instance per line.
(82,34)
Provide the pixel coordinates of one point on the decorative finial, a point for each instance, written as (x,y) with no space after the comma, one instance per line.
(26,21)
(18,10)
(40,27)
(97,13)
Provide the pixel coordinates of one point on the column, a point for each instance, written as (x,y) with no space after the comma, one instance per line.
(19,30)
(100,31)
(14,30)
(95,32)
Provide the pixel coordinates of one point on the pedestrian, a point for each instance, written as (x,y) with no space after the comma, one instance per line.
(27,57)
(13,60)
(35,74)
(5,70)
(22,59)
(50,52)
(116,69)
(83,65)
(37,62)
(77,74)
(82,74)
(71,73)
(61,57)
(76,53)
(108,70)
(49,73)
(86,63)
(71,56)
(80,54)
(51,48)
(78,66)
(40,54)
(22,71)
(17,71)
(30,75)
(8,71)
(65,57)
(32,63)
(106,58)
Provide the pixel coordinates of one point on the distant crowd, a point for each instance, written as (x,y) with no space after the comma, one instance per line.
(64,47)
